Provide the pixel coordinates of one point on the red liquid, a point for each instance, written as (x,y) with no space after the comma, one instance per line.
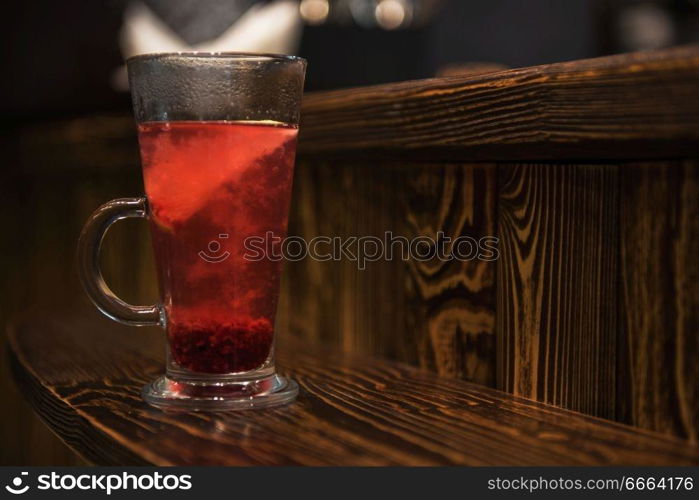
(204,180)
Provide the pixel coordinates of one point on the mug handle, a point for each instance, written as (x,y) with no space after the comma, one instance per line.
(89,246)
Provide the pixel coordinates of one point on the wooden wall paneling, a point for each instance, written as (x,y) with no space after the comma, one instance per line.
(435,314)
(457,297)
(659,303)
(557,284)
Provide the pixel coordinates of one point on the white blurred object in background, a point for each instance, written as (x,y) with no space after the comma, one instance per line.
(314,12)
(646,26)
(392,14)
(273,27)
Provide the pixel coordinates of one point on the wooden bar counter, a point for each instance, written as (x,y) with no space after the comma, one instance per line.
(578,344)
(352,410)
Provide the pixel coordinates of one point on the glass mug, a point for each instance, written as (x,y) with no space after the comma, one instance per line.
(217,136)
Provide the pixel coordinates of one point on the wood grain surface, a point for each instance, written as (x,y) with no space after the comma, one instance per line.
(598,290)
(557,285)
(435,313)
(83,374)
(659,299)
(630,106)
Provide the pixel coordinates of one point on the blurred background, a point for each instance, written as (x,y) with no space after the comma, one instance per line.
(64,57)
(68,143)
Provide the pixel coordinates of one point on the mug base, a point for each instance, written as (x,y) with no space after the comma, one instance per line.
(169,394)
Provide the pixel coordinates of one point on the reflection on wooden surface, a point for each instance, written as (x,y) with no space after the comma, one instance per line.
(352,410)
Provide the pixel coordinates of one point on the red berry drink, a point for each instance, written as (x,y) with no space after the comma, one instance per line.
(212,185)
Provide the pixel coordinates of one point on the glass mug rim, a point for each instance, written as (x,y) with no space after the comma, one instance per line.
(216,86)
(235,56)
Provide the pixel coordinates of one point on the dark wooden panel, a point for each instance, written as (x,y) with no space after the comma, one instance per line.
(42,216)
(434,313)
(83,374)
(557,284)
(660,295)
(631,106)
